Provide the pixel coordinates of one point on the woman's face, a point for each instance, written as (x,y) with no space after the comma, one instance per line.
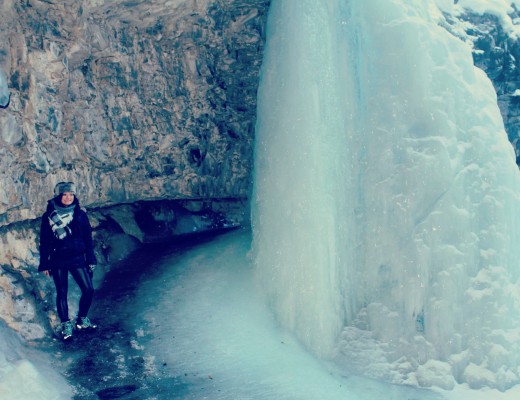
(67,198)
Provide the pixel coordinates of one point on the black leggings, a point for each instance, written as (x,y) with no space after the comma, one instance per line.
(61,281)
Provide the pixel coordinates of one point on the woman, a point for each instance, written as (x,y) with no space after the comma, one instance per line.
(66,246)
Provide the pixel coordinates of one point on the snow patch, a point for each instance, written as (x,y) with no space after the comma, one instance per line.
(435,373)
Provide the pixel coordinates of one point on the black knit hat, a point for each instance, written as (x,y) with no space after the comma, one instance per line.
(63,187)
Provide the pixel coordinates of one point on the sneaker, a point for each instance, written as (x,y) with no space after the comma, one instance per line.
(84,323)
(66,330)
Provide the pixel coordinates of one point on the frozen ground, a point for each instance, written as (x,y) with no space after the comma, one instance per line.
(21,379)
(205,326)
(188,323)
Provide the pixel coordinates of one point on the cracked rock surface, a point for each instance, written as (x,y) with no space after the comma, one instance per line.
(133,100)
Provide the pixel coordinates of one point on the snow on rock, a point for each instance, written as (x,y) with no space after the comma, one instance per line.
(436,373)
(478,376)
(502,9)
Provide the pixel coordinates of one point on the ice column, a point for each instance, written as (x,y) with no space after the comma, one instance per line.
(386,194)
(302,216)
(4,90)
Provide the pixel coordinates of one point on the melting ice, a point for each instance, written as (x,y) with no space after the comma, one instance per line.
(386,198)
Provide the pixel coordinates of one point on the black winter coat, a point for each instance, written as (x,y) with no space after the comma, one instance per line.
(75,250)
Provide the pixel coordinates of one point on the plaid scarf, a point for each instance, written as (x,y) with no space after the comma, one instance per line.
(60,218)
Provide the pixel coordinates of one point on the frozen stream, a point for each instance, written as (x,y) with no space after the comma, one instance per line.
(188,323)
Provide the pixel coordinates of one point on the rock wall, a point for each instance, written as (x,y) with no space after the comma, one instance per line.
(138,100)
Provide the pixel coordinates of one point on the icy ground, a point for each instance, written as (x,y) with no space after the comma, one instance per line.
(187,322)
(191,325)
(26,373)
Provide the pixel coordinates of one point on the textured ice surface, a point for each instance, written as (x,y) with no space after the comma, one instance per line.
(27,374)
(386,199)
(208,330)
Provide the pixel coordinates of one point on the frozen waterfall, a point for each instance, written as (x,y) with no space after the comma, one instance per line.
(386,196)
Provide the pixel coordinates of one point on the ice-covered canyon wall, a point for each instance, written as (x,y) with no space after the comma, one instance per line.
(140,101)
(386,196)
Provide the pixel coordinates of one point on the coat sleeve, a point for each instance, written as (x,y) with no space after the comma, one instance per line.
(46,237)
(87,239)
